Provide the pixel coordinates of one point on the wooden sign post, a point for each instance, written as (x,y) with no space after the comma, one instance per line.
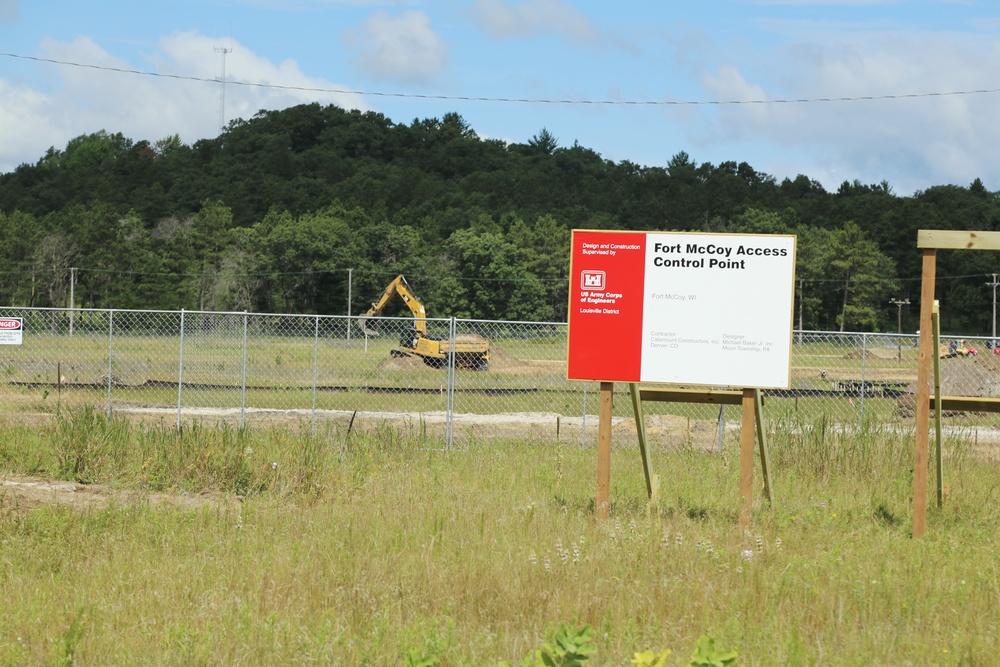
(605,412)
(922,412)
(746,457)
(930,241)
(712,310)
(752,422)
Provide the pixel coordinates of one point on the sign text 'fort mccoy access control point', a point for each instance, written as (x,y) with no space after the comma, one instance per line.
(682,308)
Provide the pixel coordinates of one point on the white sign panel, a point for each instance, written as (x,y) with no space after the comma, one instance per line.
(11,330)
(718,309)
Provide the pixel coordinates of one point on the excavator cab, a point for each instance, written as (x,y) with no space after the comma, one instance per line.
(409,339)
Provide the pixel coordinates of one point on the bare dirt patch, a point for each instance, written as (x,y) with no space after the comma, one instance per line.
(20,494)
(862,354)
(403,363)
(970,376)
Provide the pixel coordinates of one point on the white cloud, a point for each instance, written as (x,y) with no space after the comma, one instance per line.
(909,142)
(82,100)
(25,125)
(501,19)
(403,48)
(197,55)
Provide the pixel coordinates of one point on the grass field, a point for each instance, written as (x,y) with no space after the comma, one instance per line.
(231,546)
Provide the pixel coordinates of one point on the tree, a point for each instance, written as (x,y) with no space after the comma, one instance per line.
(543,249)
(544,142)
(19,237)
(496,284)
(308,257)
(866,276)
(53,259)
(237,279)
(811,277)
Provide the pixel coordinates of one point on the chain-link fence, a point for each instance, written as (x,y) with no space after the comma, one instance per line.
(459,379)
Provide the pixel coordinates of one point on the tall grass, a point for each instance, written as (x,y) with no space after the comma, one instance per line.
(357,550)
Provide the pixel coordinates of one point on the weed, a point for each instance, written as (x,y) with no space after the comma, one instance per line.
(568,646)
(706,655)
(69,642)
(417,659)
(650,659)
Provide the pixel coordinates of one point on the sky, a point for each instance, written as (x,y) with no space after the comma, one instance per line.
(901,91)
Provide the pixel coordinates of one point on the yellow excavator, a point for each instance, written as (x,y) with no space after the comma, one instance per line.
(470,350)
(957,348)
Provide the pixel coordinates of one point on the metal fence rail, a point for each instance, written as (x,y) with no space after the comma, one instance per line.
(323,371)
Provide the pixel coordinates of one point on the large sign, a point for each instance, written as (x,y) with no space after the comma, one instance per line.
(11,330)
(681,308)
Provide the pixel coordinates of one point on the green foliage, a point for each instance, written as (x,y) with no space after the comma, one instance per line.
(567,646)
(271,214)
(866,277)
(706,655)
(649,659)
(417,659)
(571,647)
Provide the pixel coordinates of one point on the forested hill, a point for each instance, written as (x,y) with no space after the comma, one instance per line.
(271,215)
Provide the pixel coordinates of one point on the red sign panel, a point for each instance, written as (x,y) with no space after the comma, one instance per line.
(605,305)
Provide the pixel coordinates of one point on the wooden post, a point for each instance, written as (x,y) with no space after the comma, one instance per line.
(765,458)
(604,450)
(746,456)
(936,316)
(924,357)
(640,430)
(753,413)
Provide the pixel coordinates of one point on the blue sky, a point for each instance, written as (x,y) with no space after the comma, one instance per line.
(637,81)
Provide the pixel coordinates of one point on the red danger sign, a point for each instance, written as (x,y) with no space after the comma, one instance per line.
(11,323)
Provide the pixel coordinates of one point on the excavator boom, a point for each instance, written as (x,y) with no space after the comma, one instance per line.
(402,288)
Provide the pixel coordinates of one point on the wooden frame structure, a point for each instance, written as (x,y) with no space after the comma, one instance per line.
(930,241)
(752,423)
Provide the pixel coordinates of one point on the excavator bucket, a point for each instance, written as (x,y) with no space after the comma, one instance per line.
(366,325)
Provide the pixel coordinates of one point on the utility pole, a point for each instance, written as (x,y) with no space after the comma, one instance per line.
(994,286)
(222,100)
(899,324)
(899,314)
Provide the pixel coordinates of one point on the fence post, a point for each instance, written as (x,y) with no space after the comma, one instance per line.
(180,372)
(864,357)
(583,427)
(111,357)
(316,369)
(243,388)
(720,434)
(450,396)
